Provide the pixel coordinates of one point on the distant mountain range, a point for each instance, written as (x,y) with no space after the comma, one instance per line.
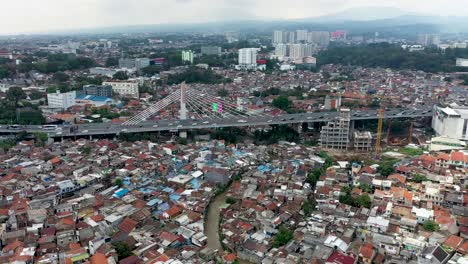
(356,20)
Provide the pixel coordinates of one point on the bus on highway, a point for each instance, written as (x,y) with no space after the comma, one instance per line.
(49,127)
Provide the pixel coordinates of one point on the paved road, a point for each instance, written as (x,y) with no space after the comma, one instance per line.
(175,125)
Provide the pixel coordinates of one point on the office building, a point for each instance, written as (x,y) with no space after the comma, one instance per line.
(301,35)
(335,134)
(61,100)
(98,90)
(211,50)
(137,63)
(248,58)
(124,88)
(187,56)
(281,50)
(451,122)
(429,39)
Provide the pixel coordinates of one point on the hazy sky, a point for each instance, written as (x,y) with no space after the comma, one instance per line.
(19,16)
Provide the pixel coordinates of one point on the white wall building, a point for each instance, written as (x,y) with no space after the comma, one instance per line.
(451,122)
(278,37)
(61,100)
(124,88)
(281,50)
(462,62)
(248,58)
(187,56)
(301,35)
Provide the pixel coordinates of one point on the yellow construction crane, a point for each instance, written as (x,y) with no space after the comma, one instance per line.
(378,146)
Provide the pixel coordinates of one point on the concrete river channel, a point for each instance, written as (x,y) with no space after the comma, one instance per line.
(212,225)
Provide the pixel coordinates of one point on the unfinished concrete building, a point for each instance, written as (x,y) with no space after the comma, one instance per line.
(335,134)
(362,141)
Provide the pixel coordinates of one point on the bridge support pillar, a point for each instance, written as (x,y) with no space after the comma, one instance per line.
(298,128)
(183,134)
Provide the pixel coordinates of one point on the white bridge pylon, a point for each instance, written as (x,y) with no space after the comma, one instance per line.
(195,103)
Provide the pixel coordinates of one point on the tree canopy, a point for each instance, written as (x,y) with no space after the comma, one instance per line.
(283,236)
(282,102)
(393,56)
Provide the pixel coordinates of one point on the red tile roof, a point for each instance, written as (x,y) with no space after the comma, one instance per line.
(99,258)
(128,225)
(453,241)
(457,156)
(367,251)
(340,258)
(168,236)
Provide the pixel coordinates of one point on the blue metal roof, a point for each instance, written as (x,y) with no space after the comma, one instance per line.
(93,98)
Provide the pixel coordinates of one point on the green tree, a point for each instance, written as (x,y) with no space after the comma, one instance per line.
(431,226)
(60,77)
(120,75)
(123,250)
(223,93)
(15,94)
(111,62)
(40,138)
(387,166)
(365,187)
(151,70)
(282,102)
(418,178)
(363,200)
(283,236)
(6,144)
(119,182)
(86,150)
(308,207)
(35,95)
(231,200)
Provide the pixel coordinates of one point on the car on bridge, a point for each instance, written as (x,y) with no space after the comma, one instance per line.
(241,121)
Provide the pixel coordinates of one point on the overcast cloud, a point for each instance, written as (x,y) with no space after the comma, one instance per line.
(26,16)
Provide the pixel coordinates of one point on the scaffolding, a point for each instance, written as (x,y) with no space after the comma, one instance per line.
(362,141)
(335,134)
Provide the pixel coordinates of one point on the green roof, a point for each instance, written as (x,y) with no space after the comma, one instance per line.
(80,257)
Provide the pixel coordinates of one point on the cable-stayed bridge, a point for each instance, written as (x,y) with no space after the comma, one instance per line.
(200,110)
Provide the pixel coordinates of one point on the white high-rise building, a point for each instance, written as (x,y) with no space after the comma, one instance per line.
(296,51)
(248,58)
(301,35)
(429,39)
(281,50)
(292,37)
(187,56)
(278,37)
(322,38)
(61,100)
(299,51)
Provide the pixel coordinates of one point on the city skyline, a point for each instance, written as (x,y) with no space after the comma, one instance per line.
(25,16)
